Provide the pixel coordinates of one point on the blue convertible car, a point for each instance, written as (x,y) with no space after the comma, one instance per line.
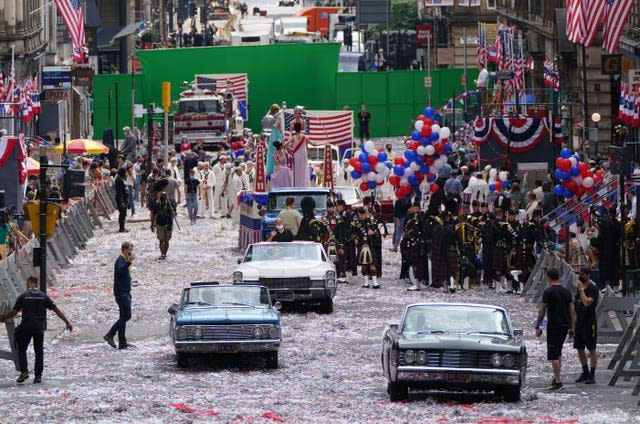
(214,318)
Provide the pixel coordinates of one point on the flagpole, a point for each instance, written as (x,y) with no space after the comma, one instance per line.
(521,67)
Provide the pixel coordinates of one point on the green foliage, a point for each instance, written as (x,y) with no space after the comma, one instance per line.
(404,14)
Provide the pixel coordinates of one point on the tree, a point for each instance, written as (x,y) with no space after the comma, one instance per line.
(404,14)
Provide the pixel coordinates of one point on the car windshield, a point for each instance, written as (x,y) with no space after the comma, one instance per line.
(283,251)
(277,201)
(439,319)
(199,106)
(226,295)
(348,194)
(316,154)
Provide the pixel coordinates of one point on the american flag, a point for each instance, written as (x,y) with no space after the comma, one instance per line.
(575,20)
(551,76)
(593,12)
(73,17)
(481,49)
(325,126)
(236,83)
(616,13)
(623,95)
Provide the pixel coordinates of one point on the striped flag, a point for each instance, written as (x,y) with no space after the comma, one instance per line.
(616,13)
(73,17)
(325,126)
(593,12)
(481,49)
(575,20)
(235,83)
(623,96)
(551,76)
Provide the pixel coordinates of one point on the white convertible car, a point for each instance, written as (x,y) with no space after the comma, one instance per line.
(299,271)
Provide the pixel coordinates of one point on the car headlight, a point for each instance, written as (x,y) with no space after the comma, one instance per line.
(409,357)
(182,333)
(421,358)
(197,333)
(237,277)
(274,332)
(508,360)
(496,360)
(257,332)
(330,279)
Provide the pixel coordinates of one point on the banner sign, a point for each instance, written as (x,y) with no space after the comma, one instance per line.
(327,168)
(261,184)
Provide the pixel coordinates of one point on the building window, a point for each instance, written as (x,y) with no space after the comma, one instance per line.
(491,4)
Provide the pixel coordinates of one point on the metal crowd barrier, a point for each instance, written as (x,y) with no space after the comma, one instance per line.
(73,230)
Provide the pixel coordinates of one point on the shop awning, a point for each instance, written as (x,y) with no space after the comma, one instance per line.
(128,30)
(105,36)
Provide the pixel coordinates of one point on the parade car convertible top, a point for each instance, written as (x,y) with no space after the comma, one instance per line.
(214,318)
(299,271)
(454,346)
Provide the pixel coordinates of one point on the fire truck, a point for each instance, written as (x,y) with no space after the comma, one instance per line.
(211,109)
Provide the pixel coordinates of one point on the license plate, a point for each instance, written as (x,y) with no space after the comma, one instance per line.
(454,377)
(227,348)
(287,295)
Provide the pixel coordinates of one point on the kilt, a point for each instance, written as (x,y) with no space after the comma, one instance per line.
(499,261)
(163,233)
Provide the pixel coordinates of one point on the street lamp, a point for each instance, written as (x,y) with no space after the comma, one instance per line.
(595,117)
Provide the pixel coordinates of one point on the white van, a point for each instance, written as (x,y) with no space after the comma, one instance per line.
(316,159)
(250,39)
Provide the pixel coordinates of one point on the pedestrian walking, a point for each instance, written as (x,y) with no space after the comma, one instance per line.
(162,222)
(586,328)
(363,120)
(561,316)
(191,184)
(122,198)
(122,293)
(33,304)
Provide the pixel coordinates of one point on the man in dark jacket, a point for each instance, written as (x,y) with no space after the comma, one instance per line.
(34,304)
(122,198)
(122,293)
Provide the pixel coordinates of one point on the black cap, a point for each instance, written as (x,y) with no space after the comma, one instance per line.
(330,204)
(484,205)
(361,210)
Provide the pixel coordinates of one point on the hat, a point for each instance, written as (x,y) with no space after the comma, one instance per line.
(361,210)
(228,165)
(330,204)
(173,159)
(585,270)
(487,168)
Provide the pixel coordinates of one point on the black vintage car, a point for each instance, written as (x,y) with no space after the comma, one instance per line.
(454,346)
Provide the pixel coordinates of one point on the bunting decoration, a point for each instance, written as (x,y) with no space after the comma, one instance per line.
(551,76)
(515,134)
(629,106)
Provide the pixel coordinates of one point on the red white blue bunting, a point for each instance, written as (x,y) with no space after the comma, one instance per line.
(482,129)
(517,135)
(7,144)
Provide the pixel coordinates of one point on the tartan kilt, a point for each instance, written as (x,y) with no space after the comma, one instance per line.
(525,258)
(499,260)
(443,267)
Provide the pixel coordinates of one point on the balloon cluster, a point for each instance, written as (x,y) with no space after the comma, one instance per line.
(575,177)
(425,154)
(371,166)
(498,180)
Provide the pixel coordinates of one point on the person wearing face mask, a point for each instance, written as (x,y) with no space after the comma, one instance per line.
(586,326)
(280,234)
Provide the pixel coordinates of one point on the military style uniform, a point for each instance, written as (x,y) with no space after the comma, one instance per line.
(412,247)
(368,248)
(344,245)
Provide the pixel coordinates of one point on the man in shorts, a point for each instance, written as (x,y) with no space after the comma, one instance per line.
(586,329)
(561,316)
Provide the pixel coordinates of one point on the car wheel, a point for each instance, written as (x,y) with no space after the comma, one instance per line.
(272,360)
(510,394)
(397,391)
(326,306)
(182,361)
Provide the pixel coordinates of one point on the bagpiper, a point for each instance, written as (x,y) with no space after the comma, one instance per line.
(345,246)
(468,245)
(366,237)
(502,240)
(412,247)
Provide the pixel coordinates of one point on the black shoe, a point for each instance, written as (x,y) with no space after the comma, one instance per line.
(555,385)
(123,346)
(590,380)
(109,340)
(375,286)
(583,377)
(37,379)
(22,377)
(123,231)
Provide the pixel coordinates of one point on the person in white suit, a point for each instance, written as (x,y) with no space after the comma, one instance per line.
(219,171)
(343,174)
(207,185)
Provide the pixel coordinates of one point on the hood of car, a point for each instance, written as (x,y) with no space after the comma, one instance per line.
(226,315)
(457,341)
(315,270)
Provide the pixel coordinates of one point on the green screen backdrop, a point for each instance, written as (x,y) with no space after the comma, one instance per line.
(301,74)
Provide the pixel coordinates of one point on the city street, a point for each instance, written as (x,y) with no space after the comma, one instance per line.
(329,364)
